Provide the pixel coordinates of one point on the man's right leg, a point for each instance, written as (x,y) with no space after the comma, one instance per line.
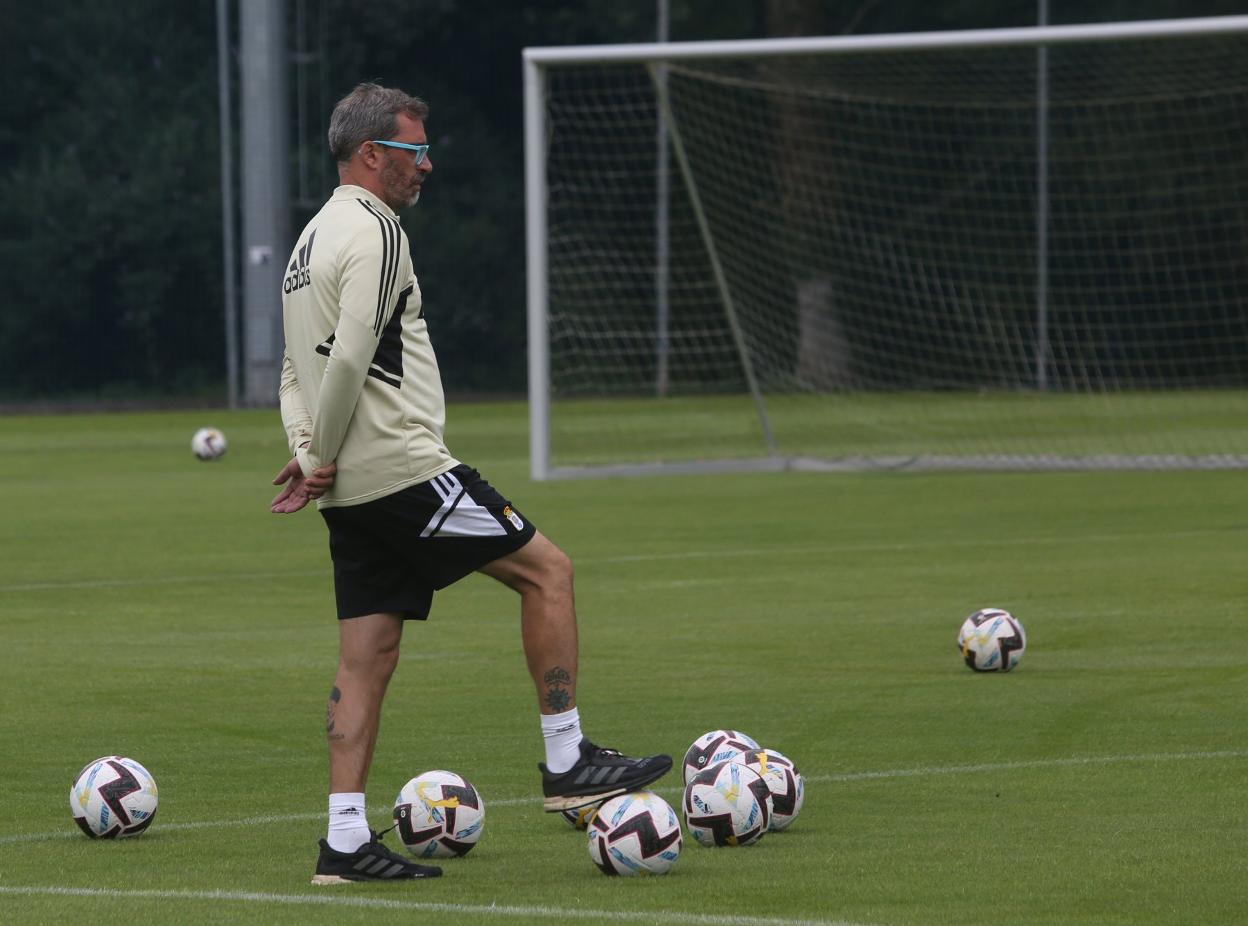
(368,651)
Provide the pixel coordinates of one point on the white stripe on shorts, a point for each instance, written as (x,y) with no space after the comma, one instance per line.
(450,489)
(459,515)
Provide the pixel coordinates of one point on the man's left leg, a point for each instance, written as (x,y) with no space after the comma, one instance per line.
(542,574)
(576,772)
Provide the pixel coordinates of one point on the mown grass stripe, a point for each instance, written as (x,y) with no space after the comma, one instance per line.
(811,550)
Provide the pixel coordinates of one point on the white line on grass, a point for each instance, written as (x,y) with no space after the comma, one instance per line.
(555,913)
(71,833)
(1030,763)
(815,550)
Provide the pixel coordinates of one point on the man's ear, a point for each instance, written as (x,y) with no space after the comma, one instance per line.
(368,154)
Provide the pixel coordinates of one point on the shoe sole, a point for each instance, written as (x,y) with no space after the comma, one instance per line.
(339,879)
(329,879)
(556,804)
(577,801)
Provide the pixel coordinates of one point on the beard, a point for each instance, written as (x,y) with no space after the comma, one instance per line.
(398,188)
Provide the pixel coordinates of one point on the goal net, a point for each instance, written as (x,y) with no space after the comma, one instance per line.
(1022,248)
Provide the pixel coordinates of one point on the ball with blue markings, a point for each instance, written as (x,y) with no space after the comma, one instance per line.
(728,805)
(717,746)
(992,640)
(635,834)
(579,818)
(787,786)
(113,797)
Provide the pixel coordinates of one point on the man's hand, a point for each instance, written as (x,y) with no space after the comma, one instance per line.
(298,490)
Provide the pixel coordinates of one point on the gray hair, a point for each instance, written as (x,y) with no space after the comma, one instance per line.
(369,112)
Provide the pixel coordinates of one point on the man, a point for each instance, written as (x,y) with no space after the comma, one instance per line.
(363,408)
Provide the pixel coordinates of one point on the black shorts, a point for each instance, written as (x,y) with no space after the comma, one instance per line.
(390,555)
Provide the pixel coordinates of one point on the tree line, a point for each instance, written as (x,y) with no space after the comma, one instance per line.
(110,206)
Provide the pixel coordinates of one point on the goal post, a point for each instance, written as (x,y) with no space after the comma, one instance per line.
(890,251)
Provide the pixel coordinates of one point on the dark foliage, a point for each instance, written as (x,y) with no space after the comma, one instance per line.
(110,216)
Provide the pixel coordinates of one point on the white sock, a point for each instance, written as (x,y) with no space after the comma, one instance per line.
(348,827)
(562,733)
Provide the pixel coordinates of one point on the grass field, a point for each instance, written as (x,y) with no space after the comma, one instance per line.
(897,429)
(151,606)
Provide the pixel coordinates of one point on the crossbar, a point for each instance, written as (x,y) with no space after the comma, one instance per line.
(550,56)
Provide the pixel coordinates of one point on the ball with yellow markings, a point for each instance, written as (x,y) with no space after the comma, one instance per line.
(439,814)
(784,781)
(992,640)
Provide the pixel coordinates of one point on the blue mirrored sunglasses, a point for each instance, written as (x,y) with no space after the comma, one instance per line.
(421,150)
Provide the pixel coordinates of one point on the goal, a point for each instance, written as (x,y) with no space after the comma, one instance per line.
(1020,248)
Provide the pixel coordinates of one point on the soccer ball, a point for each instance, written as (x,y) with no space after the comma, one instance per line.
(784,781)
(439,815)
(579,818)
(717,746)
(208,444)
(727,805)
(992,640)
(113,797)
(634,834)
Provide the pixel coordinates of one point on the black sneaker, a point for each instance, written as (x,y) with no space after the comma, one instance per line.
(599,774)
(371,862)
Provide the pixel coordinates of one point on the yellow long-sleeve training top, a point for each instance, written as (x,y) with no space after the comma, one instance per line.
(360,383)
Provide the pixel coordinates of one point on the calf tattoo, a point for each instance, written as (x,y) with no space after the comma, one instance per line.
(330,709)
(558,680)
